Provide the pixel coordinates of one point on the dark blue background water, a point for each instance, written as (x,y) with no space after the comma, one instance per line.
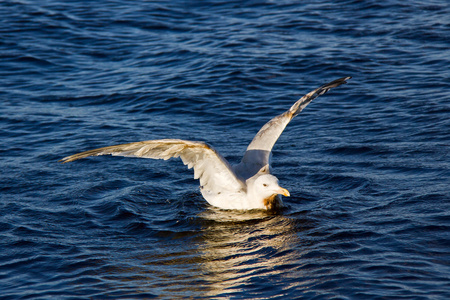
(367,165)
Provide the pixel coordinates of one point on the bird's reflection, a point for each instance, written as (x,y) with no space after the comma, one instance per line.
(241,246)
(229,251)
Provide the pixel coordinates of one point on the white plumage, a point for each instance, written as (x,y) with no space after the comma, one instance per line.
(248,185)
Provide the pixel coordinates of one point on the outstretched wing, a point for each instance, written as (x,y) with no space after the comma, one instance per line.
(210,167)
(259,150)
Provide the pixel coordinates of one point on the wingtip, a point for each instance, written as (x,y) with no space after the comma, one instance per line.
(69,158)
(64,160)
(338,82)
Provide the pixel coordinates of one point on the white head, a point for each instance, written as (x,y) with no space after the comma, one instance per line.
(267,185)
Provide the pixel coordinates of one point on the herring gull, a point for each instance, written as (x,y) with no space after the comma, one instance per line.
(247,185)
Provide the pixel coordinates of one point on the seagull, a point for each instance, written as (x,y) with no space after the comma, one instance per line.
(245,186)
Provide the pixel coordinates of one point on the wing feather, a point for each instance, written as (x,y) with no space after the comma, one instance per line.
(259,151)
(210,167)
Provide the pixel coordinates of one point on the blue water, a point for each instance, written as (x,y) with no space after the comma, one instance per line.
(367,164)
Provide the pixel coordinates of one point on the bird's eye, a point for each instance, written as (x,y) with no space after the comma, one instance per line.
(265,184)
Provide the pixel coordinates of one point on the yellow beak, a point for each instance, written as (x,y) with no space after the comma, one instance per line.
(284,192)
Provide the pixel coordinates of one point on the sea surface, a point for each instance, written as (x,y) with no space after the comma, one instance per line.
(367,164)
